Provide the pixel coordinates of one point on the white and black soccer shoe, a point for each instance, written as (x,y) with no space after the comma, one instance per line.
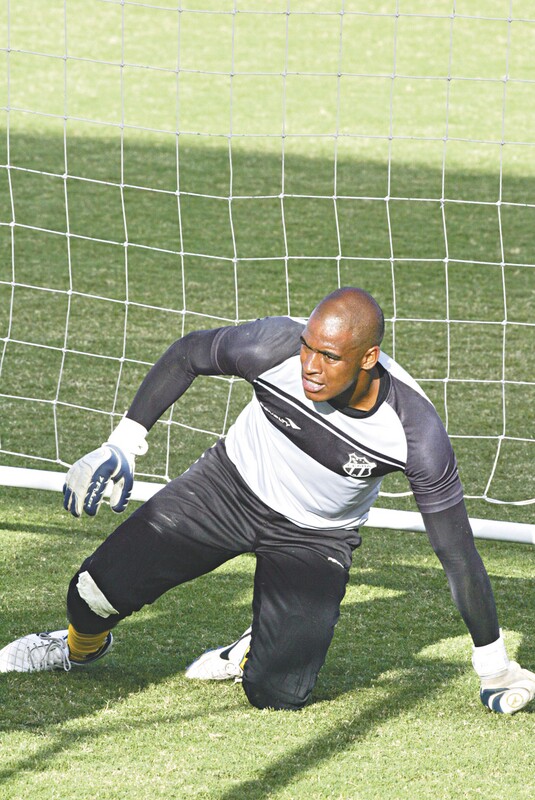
(38,652)
(222,663)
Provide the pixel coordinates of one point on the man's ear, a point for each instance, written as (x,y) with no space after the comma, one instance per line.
(371,357)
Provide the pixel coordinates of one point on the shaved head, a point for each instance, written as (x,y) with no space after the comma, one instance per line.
(352,310)
(340,349)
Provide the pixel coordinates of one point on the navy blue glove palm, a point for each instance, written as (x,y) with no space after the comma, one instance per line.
(88,479)
(107,470)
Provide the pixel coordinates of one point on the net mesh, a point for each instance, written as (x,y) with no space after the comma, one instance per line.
(190,166)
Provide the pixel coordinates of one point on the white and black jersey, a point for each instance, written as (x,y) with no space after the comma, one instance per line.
(318,466)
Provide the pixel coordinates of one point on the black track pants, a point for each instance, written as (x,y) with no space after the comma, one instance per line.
(197,522)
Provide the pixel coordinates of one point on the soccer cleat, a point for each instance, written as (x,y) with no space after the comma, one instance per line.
(38,652)
(222,663)
(510,691)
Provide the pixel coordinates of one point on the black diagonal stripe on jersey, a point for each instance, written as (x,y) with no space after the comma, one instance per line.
(330,447)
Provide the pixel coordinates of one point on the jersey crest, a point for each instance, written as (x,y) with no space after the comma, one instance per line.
(358,466)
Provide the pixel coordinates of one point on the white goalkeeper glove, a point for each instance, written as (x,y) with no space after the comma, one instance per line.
(112,464)
(505,686)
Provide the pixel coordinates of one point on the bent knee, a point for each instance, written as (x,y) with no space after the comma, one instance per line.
(266,694)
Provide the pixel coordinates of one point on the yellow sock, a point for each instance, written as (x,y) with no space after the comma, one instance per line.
(82,645)
(244,659)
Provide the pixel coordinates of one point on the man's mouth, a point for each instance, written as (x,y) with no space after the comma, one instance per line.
(311,386)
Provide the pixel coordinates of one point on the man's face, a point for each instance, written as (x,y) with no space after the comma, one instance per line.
(330,360)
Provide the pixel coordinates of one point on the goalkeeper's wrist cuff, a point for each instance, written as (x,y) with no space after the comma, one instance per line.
(490,659)
(129,436)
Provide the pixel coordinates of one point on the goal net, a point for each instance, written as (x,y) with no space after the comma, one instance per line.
(166,167)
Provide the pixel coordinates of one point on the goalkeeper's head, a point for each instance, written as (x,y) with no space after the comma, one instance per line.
(340,347)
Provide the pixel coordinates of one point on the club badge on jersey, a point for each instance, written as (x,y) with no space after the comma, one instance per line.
(359,466)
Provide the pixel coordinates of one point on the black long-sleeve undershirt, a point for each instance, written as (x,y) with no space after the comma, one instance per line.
(452,540)
(172,374)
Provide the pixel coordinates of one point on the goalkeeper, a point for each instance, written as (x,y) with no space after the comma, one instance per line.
(293,482)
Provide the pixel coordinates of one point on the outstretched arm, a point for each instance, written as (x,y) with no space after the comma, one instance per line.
(244,350)
(113,462)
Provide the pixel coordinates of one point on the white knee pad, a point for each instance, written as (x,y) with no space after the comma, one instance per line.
(95,599)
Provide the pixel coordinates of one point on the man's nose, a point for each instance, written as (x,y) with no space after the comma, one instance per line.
(311,362)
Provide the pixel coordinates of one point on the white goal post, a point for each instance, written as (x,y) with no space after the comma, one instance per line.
(523,533)
(168,166)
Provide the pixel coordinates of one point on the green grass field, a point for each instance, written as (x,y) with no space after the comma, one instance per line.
(395,713)
(144,235)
